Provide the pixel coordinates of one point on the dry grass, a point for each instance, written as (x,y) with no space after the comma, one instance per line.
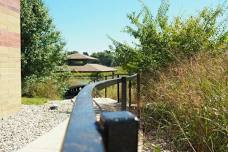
(189,102)
(112,93)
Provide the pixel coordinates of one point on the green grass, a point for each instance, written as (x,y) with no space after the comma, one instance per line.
(33,101)
(84,78)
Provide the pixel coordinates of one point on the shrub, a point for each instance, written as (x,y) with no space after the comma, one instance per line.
(52,87)
(160,41)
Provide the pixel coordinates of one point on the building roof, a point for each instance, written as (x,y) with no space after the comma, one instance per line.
(89,68)
(78,56)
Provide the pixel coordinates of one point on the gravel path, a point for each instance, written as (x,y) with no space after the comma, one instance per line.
(30,123)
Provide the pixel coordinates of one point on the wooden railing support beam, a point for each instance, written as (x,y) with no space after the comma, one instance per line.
(138,95)
(129,93)
(106,78)
(124,94)
(118,90)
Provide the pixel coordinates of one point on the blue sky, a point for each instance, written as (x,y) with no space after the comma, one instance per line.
(85,24)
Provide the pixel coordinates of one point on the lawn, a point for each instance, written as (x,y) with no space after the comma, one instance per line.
(33,101)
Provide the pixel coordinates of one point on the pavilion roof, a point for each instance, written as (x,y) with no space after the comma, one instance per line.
(89,68)
(78,56)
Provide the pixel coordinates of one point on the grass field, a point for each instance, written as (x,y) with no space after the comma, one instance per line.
(85,78)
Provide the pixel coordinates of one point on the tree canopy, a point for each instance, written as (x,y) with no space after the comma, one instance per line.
(85,53)
(105,57)
(42,46)
(160,41)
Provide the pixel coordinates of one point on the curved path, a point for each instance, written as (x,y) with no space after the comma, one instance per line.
(52,141)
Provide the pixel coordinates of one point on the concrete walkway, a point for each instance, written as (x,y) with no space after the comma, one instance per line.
(52,141)
(49,142)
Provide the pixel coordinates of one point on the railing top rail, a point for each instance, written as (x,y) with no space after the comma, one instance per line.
(82,132)
(131,77)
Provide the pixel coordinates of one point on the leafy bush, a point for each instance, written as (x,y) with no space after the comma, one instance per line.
(51,87)
(189,103)
(42,51)
(160,42)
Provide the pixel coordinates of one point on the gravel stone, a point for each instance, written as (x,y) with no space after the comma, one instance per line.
(31,122)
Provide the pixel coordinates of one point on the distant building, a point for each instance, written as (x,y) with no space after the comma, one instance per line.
(79,59)
(83,63)
(10,57)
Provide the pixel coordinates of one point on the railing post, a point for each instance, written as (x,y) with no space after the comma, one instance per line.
(138,95)
(113,75)
(97,78)
(105,88)
(129,94)
(120,131)
(118,90)
(124,93)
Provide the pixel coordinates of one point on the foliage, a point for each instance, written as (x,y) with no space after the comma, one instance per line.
(33,101)
(105,58)
(52,87)
(42,51)
(184,78)
(42,46)
(120,70)
(160,41)
(189,102)
(85,53)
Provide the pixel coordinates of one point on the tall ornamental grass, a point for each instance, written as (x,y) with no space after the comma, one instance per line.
(189,103)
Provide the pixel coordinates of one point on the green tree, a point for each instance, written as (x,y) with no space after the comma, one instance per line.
(161,42)
(105,57)
(85,53)
(42,46)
